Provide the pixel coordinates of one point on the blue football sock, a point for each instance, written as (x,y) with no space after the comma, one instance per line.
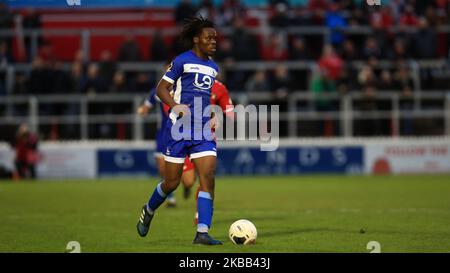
(156,199)
(205,211)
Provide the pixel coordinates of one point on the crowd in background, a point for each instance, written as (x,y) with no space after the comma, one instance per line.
(333,55)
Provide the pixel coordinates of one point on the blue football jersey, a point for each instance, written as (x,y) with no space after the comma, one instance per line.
(192,77)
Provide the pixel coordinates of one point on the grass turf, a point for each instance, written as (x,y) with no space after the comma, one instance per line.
(291,213)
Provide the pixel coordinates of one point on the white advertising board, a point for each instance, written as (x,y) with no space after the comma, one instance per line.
(7,157)
(67,162)
(404,158)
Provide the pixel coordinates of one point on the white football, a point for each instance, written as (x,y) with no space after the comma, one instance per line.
(243,232)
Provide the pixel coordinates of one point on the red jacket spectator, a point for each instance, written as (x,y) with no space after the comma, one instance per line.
(409,18)
(331,63)
(382,19)
(275,50)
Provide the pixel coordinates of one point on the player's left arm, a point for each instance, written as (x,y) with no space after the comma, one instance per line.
(148,104)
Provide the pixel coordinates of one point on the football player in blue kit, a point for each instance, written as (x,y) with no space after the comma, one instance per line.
(191,76)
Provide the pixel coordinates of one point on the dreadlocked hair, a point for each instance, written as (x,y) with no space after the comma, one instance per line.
(192,28)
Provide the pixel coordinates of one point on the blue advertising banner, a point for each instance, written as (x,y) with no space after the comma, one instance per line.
(119,162)
(91,3)
(291,160)
(113,3)
(244,161)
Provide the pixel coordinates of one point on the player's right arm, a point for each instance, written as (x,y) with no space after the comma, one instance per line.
(165,85)
(163,92)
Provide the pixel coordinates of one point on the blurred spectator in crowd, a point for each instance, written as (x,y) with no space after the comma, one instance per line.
(5,55)
(61,79)
(94,83)
(318,9)
(357,17)
(27,156)
(406,105)
(6,17)
(322,87)
(80,57)
(143,83)
(331,63)
(228,11)
(280,18)
(40,79)
(206,9)
(386,82)
(299,16)
(399,50)
(32,20)
(431,17)
(368,124)
(6,23)
(20,84)
(382,18)
(4,60)
(129,50)
(118,84)
(345,82)
(349,51)
(409,17)
(225,55)
(298,50)
(77,79)
(158,50)
(184,11)
(396,7)
(106,67)
(402,78)
(224,51)
(245,45)
(275,48)
(425,41)
(367,78)
(371,49)
(178,45)
(281,82)
(335,20)
(46,52)
(258,82)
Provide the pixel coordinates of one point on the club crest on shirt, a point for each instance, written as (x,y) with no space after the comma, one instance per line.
(203,81)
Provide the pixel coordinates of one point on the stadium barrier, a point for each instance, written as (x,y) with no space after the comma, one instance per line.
(420,114)
(347,156)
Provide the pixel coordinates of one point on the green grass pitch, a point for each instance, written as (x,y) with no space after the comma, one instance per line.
(292,214)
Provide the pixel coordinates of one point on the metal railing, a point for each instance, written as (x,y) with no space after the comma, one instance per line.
(311,67)
(303,114)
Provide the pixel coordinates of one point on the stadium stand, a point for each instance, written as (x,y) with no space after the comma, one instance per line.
(336,68)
